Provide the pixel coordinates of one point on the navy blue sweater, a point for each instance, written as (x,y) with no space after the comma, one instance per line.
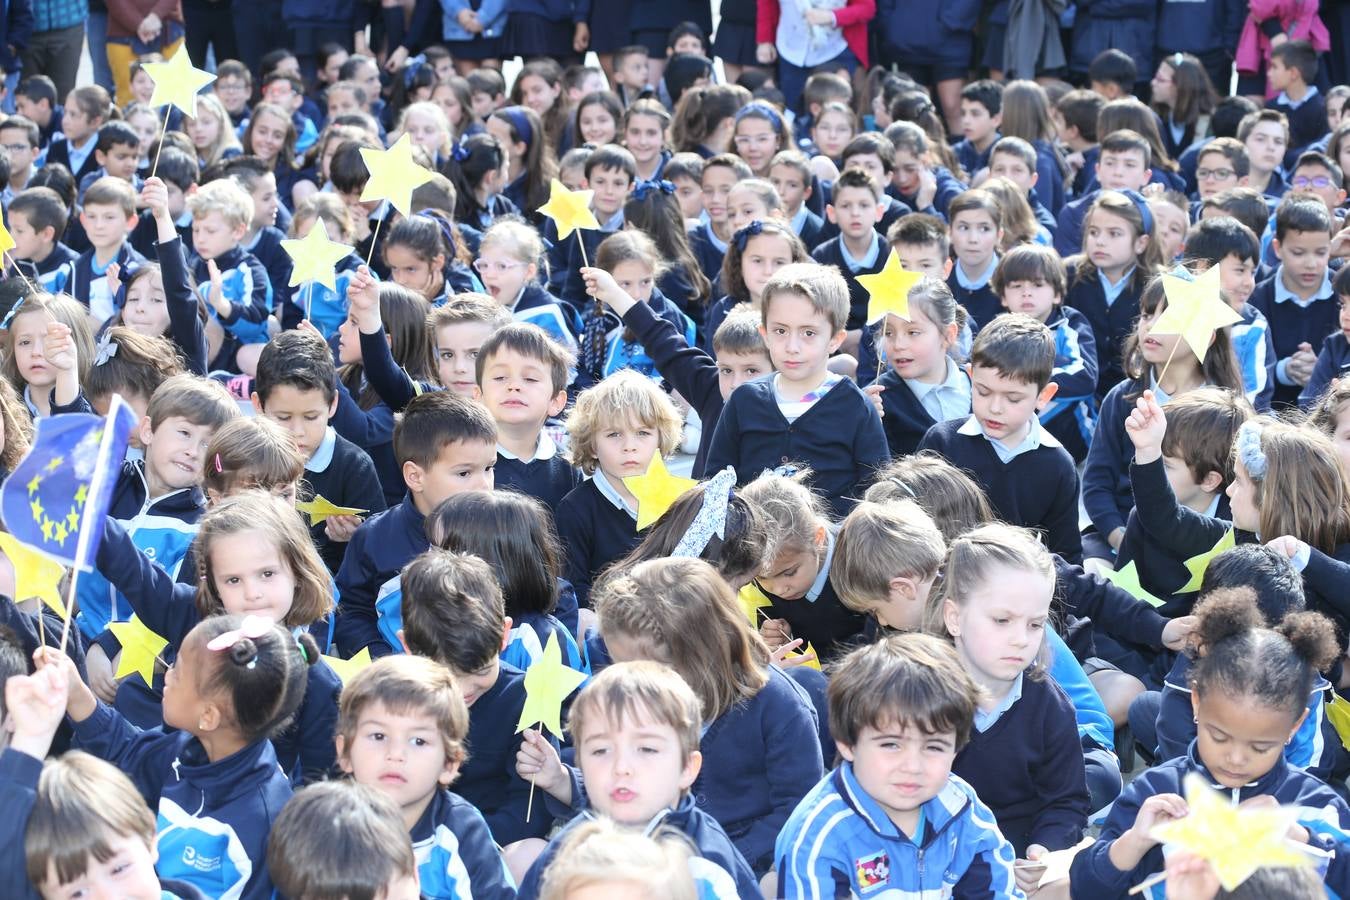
(839,437)
(594,533)
(981,303)
(948,188)
(906,420)
(91,288)
(1291,325)
(1037,489)
(831,628)
(348,480)
(548,480)
(708,255)
(455,853)
(895,209)
(1106,477)
(1111,324)
(1093,874)
(831,253)
(369,597)
(1332,362)
(1028,769)
(371,430)
(185,325)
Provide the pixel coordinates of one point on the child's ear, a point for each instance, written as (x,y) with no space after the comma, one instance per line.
(844,750)
(947,268)
(147,433)
(838,340)
(402,642)
(1047,394)
(412,476)
(506,631)
(343,762)
(691,770)
(1035,177)
(239,231)
(829,213)
(1140,244)
(997,119)
(210,717)
(903,588)
(1212,483)
(100,157)
(951,617)
(257,403)
(559,401)
(332,407)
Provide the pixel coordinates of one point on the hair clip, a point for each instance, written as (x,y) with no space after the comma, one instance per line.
(646,187)
(1249,452)
(712,515)
(219,468)
(105,350)
(253,627)
(411,68)
(1141,205)
(746,233)
(459,152)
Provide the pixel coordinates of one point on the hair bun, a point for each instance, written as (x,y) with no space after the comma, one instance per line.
(244,652)
(1313,637)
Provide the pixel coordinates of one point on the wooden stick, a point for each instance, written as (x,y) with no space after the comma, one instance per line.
(1148,883)
(1163,374)
(582,244)
(373,235)
(163,130)
(529,805)
(309,299)
(70,606)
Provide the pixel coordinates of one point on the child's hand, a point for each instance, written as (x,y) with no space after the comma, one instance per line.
(1177,632)
(36,704)
(927,188)
(1146,427)
(341,528)
(602,286)
(156,196)
(1288,546)
(766,53)
(1190,877)
(1075,161)
(80,701)
(114,276)
(1028,874)
(822,17)
(1155,810)
(787,657)
(873,392)
(1299,367)
(216,295)
(100,669)
(776,632)
(537,760)
(363,300)
(59,346)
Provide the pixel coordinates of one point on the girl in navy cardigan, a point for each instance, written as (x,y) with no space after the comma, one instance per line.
(425,253)
(755,253)
(212,778)
(761,751)
(976,232)
(531,163)
(477,167)
(1024,757)
(1249,692)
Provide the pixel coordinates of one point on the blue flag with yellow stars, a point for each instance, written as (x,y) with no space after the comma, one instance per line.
(57,497)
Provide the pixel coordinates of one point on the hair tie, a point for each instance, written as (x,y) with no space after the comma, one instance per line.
(746,233)
(647,186)
(104,350)
(763,110)
(519,121)
(252,628)
(411,68)
(712,515)
(1142,205)
(1249,452)
(459,152)
(300,645)
(219,467)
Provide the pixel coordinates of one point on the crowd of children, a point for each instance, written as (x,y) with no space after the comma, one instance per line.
(980,509)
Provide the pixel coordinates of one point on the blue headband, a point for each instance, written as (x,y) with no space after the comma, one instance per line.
(519,121)
(446,229)
(760,108)
(459,152)
(1142,205)
(746,233)
(411,68)
(646,187)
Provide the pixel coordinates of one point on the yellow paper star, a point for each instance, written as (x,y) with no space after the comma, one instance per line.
(315,257)
(177,82)
(1127,579)
(1195,310)
(1236,841)
(752,599)
(346,669)
(810,664)
(1196,565)
(140,648)
(394,175)
(569,210)
(6,239)
(656,490)
(321,508)
(1338,714)
(35,573)
(547,684)
(888,290)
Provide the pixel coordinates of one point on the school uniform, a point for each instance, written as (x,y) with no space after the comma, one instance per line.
(1275,188)
(574,286)
(391,383)
(1072,415)
(372,430)
(1255,351)
(809,227)
(895,209)
(819,618)
(716,315)
(948,188)
(708,249)
(1107,497)
(1044,217)
(557,317)
(605,350)
(1112,611)
(136,184)
(79,159)
(719,870)
(912,407)
(162,528)
(1307,120)
(89,280)
(245,285)
(1034,484)
(341,472)
(972,159)
(1025,761)
(213,817)
(838,435)
(455,853)
(304,749)
(596,527)
(1093,874)
(840,836)
(1332,362)
(833,253)
(370,598)
(53,271)
(1111,311)
(975,294)
(547,476)
(1294,321)
(266,247)
(324,309)
(185,323)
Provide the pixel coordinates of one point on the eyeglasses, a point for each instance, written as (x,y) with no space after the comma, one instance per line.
(755,140)
(1217,174)
(486,266)
(1316,181)
(17,148)
(230,87)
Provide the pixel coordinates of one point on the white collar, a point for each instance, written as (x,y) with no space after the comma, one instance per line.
(323,454)
(607,490)
(545,449)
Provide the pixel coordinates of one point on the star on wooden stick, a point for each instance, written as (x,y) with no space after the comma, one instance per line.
(140,648)
(656,490)
(569,210)
(321,509)
(1195,309)
(394,175)
(315,256)
(888,290)
(177,82)
(35,573)
(547,684)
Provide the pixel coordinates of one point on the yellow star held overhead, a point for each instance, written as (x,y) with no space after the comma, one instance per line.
(569,210)
(140,648)
(321,508)
(315,256)
(656,490)
(1195,310)
(177,82)
(346,669)
(752,599)
(888,290)
(1236,841)
(35,573)
(1196,565)
(547,684)
(1127,579)
(394,175)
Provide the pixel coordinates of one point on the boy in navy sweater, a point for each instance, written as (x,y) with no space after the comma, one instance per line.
(1014,159)
(444,445)
(981,116)
(108,216)
(611,174)
(804,413)
(1298,300)
(855,209)
(296,387)
(1291,71)
(1029,477)
(629,706)
(790,172)
(708,240)
(87,108)
(453,612)
(37,219)
(523,375)
(875,155)
(1265,134)
(414,704)
(1123,166)
(117,152)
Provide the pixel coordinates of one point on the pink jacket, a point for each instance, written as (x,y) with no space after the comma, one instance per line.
(1299,19)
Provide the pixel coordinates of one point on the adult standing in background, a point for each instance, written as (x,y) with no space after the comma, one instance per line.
(57,41)
(258,28)
(16,27)
(210,23)
(137,28)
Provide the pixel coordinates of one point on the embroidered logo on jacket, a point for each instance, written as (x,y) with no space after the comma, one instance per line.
(872,871)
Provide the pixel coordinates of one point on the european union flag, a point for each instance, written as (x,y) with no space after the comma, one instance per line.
(57,496)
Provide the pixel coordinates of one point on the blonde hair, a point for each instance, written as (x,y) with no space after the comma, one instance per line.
(1303,491)
(64,309)
(225,139)
(516,238)
(224,196)
(18,427)
(795,513)
(878,542)
(426,107)
(407,685)
(685,614)
(599,852)
(626,397)
(641,689)
(1015,215)
(970,558)
(329,208)
(764,191)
